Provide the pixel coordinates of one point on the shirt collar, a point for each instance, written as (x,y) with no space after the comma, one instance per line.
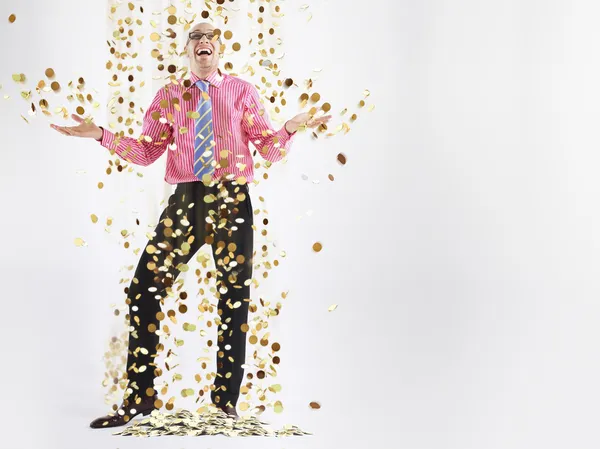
(215,79)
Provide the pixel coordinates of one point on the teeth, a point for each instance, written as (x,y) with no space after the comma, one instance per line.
(204,51)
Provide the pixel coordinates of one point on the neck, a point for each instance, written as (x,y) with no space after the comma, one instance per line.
(203,73)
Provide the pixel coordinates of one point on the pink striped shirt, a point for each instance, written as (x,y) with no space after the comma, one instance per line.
(238,118)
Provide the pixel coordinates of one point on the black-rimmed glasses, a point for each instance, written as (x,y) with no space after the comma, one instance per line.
(197,35)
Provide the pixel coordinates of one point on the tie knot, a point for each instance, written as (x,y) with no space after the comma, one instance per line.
(203,85)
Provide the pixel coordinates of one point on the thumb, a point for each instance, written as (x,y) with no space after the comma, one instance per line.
(77,118)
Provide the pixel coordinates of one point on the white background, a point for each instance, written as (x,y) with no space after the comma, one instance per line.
(460,240)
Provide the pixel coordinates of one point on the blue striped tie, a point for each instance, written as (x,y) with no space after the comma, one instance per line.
(204,138)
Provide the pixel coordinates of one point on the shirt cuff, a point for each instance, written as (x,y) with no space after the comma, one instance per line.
(107,140)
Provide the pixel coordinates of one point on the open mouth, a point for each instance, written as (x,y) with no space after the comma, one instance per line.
(204,52)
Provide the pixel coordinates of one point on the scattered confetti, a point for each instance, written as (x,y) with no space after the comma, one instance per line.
(212,422)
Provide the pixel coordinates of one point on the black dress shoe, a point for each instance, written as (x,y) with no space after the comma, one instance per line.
(125,413)
(229,410)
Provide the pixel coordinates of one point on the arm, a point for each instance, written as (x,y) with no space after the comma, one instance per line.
(272,145)
(153,141)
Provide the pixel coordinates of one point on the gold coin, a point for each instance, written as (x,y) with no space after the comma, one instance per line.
(50,73)
(228,34)
(12,18)
(172,20)
(341,158)
(317,247)
(80,110)
(315,97)
(236,46)
(55,86)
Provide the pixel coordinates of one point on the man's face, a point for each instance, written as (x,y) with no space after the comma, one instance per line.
(202,49)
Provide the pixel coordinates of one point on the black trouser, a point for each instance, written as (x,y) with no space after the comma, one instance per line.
(180,233)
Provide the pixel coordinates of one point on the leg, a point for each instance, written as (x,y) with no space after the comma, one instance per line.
(232,251)
(174,242)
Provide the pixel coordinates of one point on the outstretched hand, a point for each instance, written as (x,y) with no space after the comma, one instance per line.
(84,129)
(305,119)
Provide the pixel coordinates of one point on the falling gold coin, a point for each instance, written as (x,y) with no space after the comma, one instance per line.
(12,18)
(55,86)
(332,307)
(154,37)
(341,159)
(228,34)
(80,110)
(79,242)
(315,405)
(94,218)
(317,247)
(100,185)
(331,178)
(236,46)
(315,97)
(49,73)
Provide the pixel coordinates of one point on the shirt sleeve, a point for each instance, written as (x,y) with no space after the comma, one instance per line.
(156,135)
(272,145)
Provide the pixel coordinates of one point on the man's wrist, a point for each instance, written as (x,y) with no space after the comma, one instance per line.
(99,139)
(287,129)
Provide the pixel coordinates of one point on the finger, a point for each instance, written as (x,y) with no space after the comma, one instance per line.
(63,132)
(77,118)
